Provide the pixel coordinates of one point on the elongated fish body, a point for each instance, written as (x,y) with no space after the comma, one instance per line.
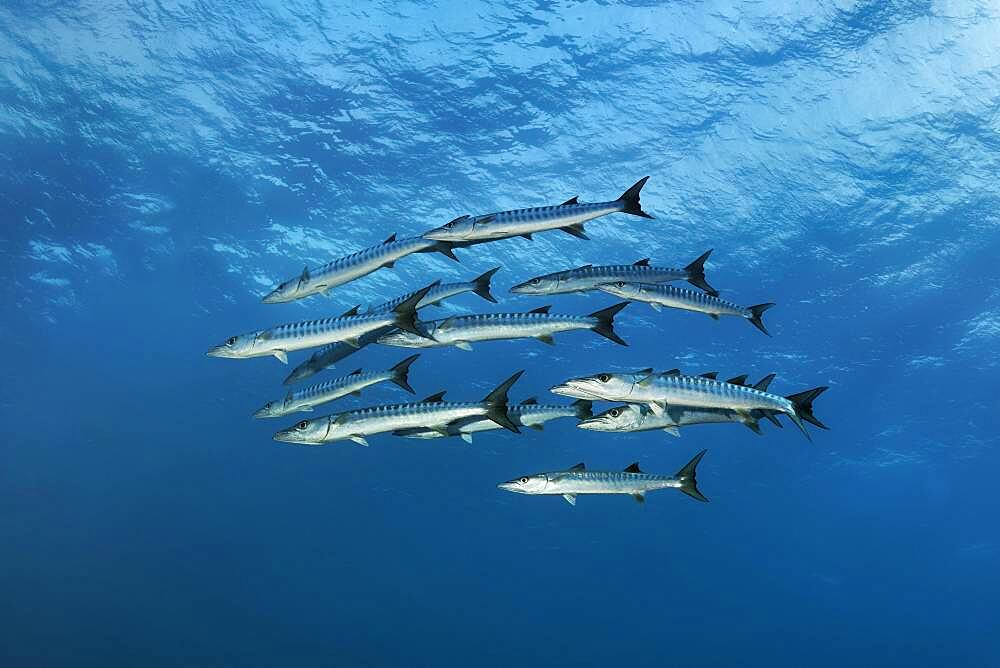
(590,277)
(462,331)
(658,295)
(307,399)
(348,268)
(357,424)
(532,415)
(568,217)
(431,413)
(631,481)
(332,353)
(660,390)
(349,327)
(636,417)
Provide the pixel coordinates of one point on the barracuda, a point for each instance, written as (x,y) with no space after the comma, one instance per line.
(659,390)
(462,331)
(528,413)
(349,327)
(329,355)
(431,413)
(658,296)
(568,217)
(589,277)
(631,481)
(353,383)
(637,417)
(346,269)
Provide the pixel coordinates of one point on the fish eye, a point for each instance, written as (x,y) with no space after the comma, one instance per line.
(268,404)
(604,378)
(615,412)
(231,340)
(523,481)
(535,281)
(302,425)
(620,284)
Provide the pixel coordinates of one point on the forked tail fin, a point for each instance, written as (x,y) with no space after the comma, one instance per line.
(584,408)
(756,312)
(606,322)
(803,405)
(696,274)
(688,477)
(482,285)
(496,404)
(400,373)
(630,199)
(406,312)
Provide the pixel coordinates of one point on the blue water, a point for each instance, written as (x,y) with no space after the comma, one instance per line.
(164,164)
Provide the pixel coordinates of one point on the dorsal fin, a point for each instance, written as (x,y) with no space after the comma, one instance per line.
(304,277)
(540,309)
(355,372)
(579,467)
(633,468)
(671,372)
(349,312)
(391,238)
(530,401)
(436,398)
(764,382)
(738,380)
(714,375)
(446,323)
(644,372)
(571,200)
(644,262)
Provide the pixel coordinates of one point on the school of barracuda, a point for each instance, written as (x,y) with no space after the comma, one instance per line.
(643,400)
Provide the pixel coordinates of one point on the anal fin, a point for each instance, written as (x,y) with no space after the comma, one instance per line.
(570,499)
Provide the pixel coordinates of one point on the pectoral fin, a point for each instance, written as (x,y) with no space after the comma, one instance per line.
(570,499)
(658,407)
(354,343)
(640,497)
(359,439)
(467,438)
(713,316)
(282,357)
(655,307)
(547,338)
(463,345)
(673,431)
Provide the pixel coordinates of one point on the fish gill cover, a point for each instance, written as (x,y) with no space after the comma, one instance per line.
(166,166)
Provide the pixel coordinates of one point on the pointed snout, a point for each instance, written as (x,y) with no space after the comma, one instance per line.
(591,424)
(509,486)
(217,351)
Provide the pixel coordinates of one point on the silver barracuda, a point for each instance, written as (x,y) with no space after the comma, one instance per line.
(658,295)
(568,217)
(638,417)
(660,390)
(279,341)
(631,481)
(431,413)
(462,331)
(348,268)
(528,413)
(307,399)
(589,277)
(332,353)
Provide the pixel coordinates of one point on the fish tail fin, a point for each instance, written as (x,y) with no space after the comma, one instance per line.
(401,373)
(482,285)
(406,312)
(630,199)
(756,313)
(446,249)
(496,404)
(584,408)
(803,409)
(688,477)
(606,322)
(696,274)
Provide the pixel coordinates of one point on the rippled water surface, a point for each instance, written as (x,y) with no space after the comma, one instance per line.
(164,164)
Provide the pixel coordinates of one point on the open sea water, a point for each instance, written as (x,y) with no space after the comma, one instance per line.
(163,164)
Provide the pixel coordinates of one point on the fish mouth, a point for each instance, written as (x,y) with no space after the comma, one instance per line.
(594,424)
(263,413)
(573,389)
(612,290)
(273,298)
(219,351)
(509,486)
(288,436)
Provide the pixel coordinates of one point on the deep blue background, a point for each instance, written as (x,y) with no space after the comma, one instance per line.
(162,164)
